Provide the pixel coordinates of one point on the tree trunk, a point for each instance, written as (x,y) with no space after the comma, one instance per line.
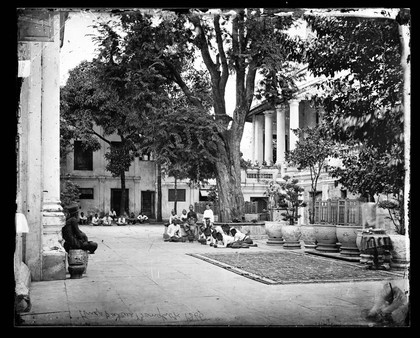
(231,199)
(159,194)
(176,193)
(123,192)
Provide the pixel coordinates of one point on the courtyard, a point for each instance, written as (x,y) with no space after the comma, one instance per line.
(136,279)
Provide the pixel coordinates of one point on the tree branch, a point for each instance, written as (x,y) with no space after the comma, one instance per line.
(225,72)
(178,79)
(99,136)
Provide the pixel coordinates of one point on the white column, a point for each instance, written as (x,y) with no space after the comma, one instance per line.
(281,132)
(294,122)
(258,143)
(51,138)
(53,254)
(268,137)
(254,138)
(32,112)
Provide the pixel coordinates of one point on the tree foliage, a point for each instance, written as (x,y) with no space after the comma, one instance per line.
(363,107)
(312,151)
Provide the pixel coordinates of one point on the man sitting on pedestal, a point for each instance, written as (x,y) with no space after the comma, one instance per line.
(75,238)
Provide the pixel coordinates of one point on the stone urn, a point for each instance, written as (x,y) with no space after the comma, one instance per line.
(399,252)
(291,236)
(274,231)
(308,236)
(326,237)
(77,260)
(347,235)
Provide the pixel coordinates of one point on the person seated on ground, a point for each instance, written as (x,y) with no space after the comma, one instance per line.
(82,218)
(192,221)
(142,218)
(132,219)
(96,220)
(391,307)
(122,220)
(73,237)
(107,220)
(239,236)
(206,230)
(173,217)
(174,230)
(113,214)
(223,240)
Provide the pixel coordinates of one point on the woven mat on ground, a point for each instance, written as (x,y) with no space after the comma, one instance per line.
(293,267)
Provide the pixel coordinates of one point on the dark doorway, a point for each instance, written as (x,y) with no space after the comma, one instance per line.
(262,203)
(116,199)
(148,203)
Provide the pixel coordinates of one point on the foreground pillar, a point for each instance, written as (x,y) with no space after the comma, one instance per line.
(53,219)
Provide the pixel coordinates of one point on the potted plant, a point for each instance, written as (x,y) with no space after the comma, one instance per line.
(290,195)
(276,206)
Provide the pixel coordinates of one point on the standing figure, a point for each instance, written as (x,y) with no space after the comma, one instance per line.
(183,223)
(208,213)
(73,237)
(192,221)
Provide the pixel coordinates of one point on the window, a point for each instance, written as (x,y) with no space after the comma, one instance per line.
(180,193)
(86,193)
(83,159)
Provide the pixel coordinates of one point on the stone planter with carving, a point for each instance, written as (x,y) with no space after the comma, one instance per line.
(274,231)
(291,235)
(308,236)
(346,235)
(273,227)
(399,252)
(326,237)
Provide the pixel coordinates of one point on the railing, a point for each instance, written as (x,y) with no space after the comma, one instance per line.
(251,207)
(340,211)
(259,176)
(199,207)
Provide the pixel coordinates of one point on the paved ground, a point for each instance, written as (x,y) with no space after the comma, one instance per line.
(135,278)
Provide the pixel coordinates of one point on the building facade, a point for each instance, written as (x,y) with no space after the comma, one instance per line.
(101,192)
(272,138)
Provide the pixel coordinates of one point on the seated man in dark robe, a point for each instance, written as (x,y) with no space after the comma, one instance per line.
(75,238)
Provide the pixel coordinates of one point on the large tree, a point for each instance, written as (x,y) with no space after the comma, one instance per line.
(240,43)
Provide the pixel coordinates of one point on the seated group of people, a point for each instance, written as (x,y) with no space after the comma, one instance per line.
(184,227)
(111,218)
